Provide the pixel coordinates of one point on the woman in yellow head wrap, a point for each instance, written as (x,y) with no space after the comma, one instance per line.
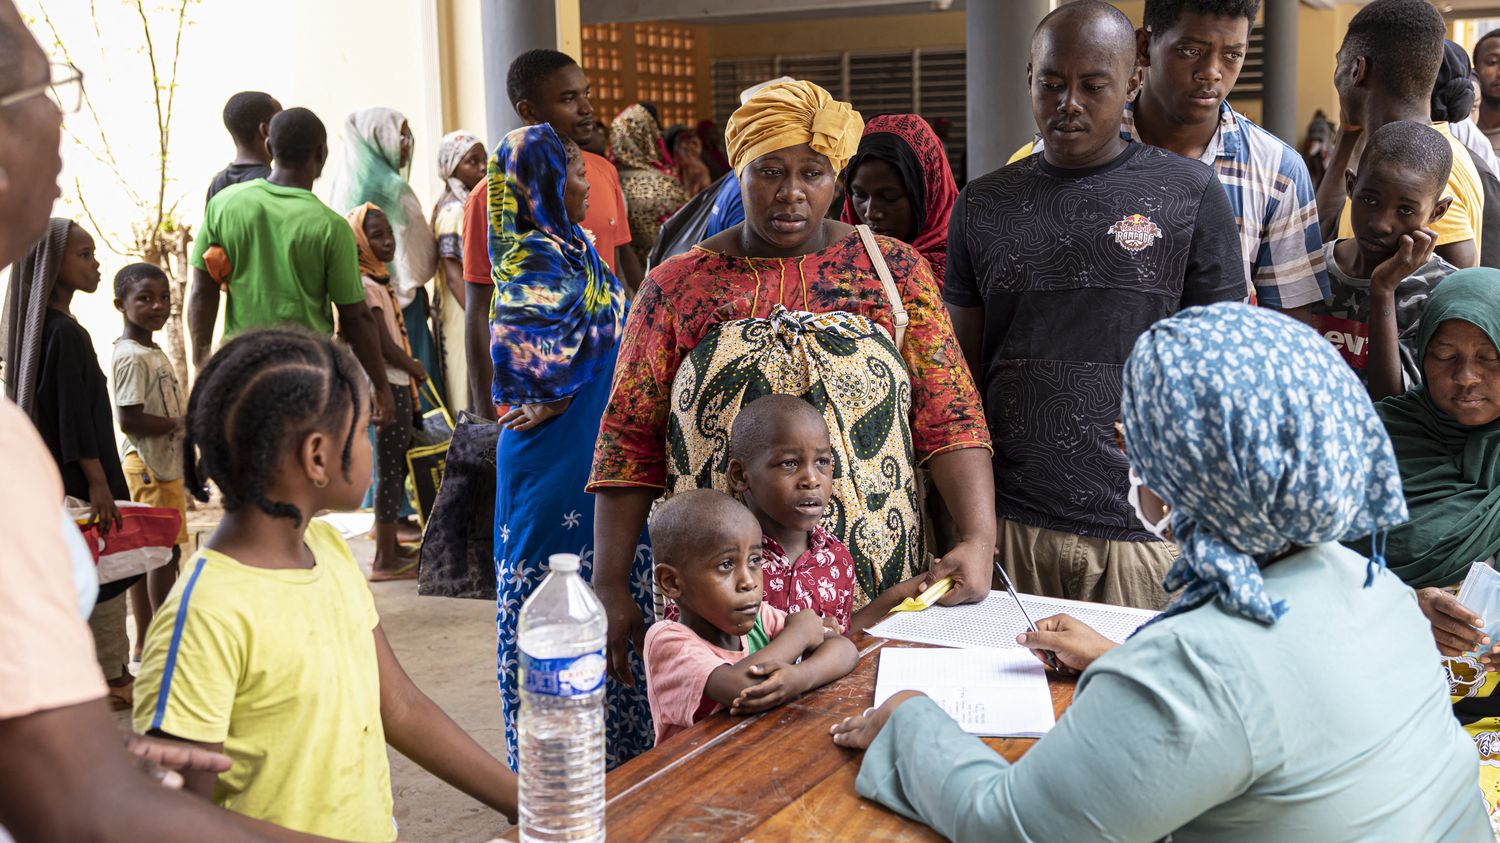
(724,323)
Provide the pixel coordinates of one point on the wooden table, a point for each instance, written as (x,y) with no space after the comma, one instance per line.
(773,776)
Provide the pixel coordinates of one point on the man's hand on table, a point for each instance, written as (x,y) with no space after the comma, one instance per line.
(968,563)
(859,731)
(1073,642)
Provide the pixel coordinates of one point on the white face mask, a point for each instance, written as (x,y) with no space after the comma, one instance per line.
(1158,529)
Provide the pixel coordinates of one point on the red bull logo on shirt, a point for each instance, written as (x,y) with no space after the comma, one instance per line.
(1135,232)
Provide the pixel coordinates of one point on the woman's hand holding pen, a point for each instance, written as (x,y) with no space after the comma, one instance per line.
(1075,644)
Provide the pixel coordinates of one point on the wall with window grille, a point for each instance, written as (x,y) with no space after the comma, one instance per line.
(929,82)
(655,62)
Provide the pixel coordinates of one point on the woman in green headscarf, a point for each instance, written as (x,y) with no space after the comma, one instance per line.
(1446,432)
(377,160)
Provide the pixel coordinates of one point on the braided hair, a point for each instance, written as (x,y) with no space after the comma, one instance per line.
(260,392)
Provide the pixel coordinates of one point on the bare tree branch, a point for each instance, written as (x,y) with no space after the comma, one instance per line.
(94,19)
(161,130)
(172,85)
(99,229)
(88,101)
(109,163)
(157,235)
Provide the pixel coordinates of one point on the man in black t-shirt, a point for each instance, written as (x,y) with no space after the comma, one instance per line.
(1055,265)
(247,116)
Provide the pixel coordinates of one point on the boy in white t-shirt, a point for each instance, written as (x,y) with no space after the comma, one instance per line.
(150,406)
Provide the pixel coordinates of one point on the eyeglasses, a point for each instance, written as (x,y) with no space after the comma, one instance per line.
(64,86)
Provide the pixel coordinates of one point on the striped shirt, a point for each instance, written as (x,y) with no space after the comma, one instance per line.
(1274,204)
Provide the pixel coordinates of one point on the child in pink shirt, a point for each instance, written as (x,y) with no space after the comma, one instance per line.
(729,648)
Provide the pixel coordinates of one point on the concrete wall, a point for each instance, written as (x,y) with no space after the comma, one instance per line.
(831,35)
(461,45)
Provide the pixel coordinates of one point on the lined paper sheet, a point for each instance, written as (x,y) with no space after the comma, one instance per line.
(992,693)
(995,621)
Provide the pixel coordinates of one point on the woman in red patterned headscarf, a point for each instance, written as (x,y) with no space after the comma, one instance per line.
(900,185)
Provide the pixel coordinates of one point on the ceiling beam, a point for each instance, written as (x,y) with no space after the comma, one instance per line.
(715,11)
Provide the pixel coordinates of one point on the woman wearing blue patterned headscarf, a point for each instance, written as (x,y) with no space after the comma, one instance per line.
(554,328)
(1291,690)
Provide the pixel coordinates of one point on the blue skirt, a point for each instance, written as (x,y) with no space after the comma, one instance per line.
(541,509)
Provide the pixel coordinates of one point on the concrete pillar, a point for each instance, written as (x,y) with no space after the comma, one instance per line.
(511,27)
(998,46)
(570,28)
(1279,97)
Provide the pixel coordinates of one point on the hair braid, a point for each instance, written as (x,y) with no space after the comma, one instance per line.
(259,393)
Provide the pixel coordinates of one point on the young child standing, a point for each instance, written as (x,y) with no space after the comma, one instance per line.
(377,247)
(781,466)
(269,647)
(1382,276)
(729,648)
(72,413)
(149,402)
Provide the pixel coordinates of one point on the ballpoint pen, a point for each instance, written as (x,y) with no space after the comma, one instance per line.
(1005,579)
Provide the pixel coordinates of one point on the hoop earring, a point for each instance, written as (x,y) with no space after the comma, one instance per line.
(321,482)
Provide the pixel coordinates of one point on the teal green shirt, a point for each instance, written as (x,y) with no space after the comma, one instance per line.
(1331,725)
(291,256)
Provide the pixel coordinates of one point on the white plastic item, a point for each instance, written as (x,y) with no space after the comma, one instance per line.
(1481,594)
(561,633)
(143,539)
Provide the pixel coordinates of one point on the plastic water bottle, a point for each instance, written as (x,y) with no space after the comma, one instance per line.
(561,636)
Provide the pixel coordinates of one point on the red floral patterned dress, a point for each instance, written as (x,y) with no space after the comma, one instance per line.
(686,296)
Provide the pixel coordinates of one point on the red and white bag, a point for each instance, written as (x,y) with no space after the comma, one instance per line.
(142,541)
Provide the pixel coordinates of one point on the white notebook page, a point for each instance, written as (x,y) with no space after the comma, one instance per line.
(994,693)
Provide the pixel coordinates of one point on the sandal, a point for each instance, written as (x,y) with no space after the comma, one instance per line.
(405,572)
(121,698)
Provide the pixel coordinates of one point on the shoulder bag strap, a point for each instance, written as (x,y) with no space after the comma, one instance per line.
(898,310)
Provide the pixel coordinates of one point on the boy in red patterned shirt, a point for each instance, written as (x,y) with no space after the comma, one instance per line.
(781,466)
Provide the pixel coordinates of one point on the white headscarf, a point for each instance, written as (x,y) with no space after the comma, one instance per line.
(451,151)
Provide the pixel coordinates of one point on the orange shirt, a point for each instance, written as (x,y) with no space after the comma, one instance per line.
(46,652)
(605,219)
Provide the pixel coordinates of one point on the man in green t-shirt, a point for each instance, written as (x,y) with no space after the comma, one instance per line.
(283,256)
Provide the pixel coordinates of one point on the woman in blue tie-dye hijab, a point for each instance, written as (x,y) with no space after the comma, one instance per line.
(557,312)
(1290,692)
(555,326)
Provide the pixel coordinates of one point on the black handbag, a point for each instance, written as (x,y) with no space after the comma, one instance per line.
(684,229)
(458,543)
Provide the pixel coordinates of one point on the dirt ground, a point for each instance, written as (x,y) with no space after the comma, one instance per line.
(448,648)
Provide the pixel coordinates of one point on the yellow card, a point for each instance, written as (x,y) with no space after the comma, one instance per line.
(926,598)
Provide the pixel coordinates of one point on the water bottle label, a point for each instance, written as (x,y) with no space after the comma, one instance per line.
(568,677)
